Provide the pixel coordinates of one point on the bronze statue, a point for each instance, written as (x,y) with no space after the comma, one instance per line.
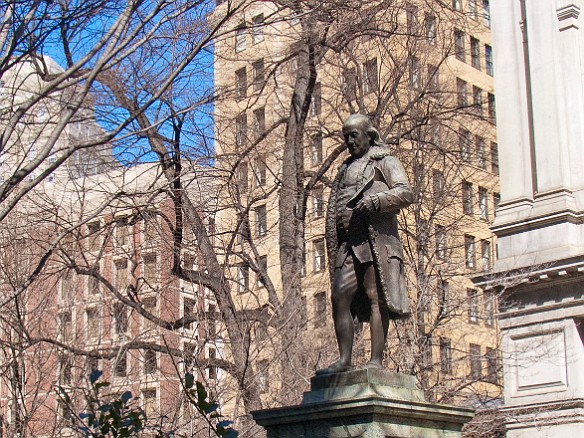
(365,252)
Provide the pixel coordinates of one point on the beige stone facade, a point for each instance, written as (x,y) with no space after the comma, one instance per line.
(435,107)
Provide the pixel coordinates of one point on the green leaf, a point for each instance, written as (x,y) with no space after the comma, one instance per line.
(94,376)
(126,396)
(189,380)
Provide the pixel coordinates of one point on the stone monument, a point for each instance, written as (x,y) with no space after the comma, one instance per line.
(368,283)
(539,60)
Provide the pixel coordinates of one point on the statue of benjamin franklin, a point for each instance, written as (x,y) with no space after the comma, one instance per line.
(365,252)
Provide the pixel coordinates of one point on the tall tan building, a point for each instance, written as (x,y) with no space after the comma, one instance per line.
(285,81)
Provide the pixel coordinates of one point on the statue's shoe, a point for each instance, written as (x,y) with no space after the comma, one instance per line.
(334,368)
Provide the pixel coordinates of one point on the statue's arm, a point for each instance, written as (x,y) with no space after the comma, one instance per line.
(400,193)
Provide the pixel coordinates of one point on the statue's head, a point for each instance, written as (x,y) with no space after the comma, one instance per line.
(359,134)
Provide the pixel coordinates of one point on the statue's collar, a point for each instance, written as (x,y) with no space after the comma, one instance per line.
(374,153)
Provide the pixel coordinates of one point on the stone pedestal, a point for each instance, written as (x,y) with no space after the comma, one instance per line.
(543,355)
(367,404)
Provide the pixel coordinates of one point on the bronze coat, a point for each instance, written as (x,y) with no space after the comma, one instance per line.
(384,178)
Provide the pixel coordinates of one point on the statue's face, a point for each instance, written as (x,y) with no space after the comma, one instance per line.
(356,139)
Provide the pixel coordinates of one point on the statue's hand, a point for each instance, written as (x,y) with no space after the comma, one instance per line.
(366,205)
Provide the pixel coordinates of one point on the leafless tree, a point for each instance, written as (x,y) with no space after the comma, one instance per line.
(146,79)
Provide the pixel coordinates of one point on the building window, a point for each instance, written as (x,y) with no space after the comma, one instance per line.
(257,31)
(240,38)
(494,158)
(319,255)
(477,99)
(438,185)
(263,267)
(317,202)
(91,364)
(371,78)
(122,231)
(65,370)
(93,283)
(472,9)
(412,19)
(121,365)
(259,122)
(261,220)
(427,356)
(465,145)
(189,352)
(149,305)
(475,361)
(258,74)
(212,369)
(189,308)
(242,278)
(120,313)
(469,251)
(492,359)
(414,64)
(431,28)
(319,309)
(496,200)
(433,78)
(149,398)
(240,83)
(461,93)
(491,107)
(475,53)
(423,230)
(150,362)
(349,84)
(483,204)
(445,356)
(93,317)
(489,60)
(212,322)
(440,235)
(489,307)
(316,149)
(316,104)
(473,305)
(65,327)
(259,172)
(486,255)
(261,331)
(240,130)
(242,177)
(444,296)
(94,243)
(32,152)
(150,225)
(303,260)
(486,13)
(150,274)
(459,45)
(263,375)
(121,274)
(481,152)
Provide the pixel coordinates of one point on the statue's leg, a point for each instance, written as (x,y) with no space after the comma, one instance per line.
(379,321)
(343,292)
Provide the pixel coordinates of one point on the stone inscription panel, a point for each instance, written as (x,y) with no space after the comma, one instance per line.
(539,363)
